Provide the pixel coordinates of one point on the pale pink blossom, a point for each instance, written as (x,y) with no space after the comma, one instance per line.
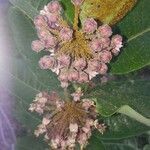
(37,45)
(104,31)
(54,7)
(103,69)
(46,62)
(50,42)
(105,56)
(89,25)
(83,77)
(96,45)
(73,127)
(66,34)
(73,75)
(79,64)
(40,21)
(64,60)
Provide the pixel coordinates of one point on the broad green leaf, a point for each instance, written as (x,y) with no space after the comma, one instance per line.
(146,147)
(24,33)
(120,126)
(26,7)
(111,97)
(30,143)
(69,10)
(95,144)
(119,147)
(136,52)
(107,11)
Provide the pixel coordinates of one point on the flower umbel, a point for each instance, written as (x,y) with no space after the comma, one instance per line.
(66,123)
(75,54)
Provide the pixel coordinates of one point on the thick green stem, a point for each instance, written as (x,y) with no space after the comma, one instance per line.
(128,111)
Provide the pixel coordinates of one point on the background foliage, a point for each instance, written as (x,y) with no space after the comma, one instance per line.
(28,79)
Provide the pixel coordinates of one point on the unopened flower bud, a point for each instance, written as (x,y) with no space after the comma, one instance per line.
(73,75)
(37,45)
(63,60)
(54,7)
(79,64)
(96,45)
(40,21)
(104,31)
(89,25)
(46,62)
(83,77)
(66,34)
(105,42)
(105,57)
(103,68)
(52,18)
(50,42)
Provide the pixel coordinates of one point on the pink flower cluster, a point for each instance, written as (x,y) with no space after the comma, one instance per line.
(66,123)
(57,38)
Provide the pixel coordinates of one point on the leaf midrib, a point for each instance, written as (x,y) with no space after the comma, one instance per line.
(138,34)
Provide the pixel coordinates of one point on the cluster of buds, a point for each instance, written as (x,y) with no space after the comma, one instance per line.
(66,123)
(74,54)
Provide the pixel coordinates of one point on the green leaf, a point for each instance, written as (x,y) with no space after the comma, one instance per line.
(119,147)
(24,33)
(136,52)
(69,10)
(30,143)
(95,144)
(120,126)
(114,95)
(26,7)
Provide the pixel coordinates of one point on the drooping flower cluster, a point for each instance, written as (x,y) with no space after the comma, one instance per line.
(66,123)
(75,54)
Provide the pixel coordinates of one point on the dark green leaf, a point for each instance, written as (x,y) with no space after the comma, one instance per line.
(111,97)
(95,144)
(30,143)
(120,127)
(136,52)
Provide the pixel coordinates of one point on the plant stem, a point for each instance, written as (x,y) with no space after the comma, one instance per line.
(128,111)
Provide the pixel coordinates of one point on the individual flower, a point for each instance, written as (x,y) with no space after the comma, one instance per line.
(75,54)
(66,123)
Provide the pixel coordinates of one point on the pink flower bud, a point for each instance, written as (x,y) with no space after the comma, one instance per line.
(54,7)
(52,18)
(103,68)
(96,45)
(77,2)
(37,45)
(73,75)
(117,39)
(115,51)
(79,64)
(86,129)
(105,56)
(93,65)
(116,42)
(63,60)
(105,42)
(87,104)
(104,31)
(63,76)
(83,139)
(73,127)
(40,21)
(83,77)
(90,25)
(50,42)
(47,62)
(66,34)
(43,34)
